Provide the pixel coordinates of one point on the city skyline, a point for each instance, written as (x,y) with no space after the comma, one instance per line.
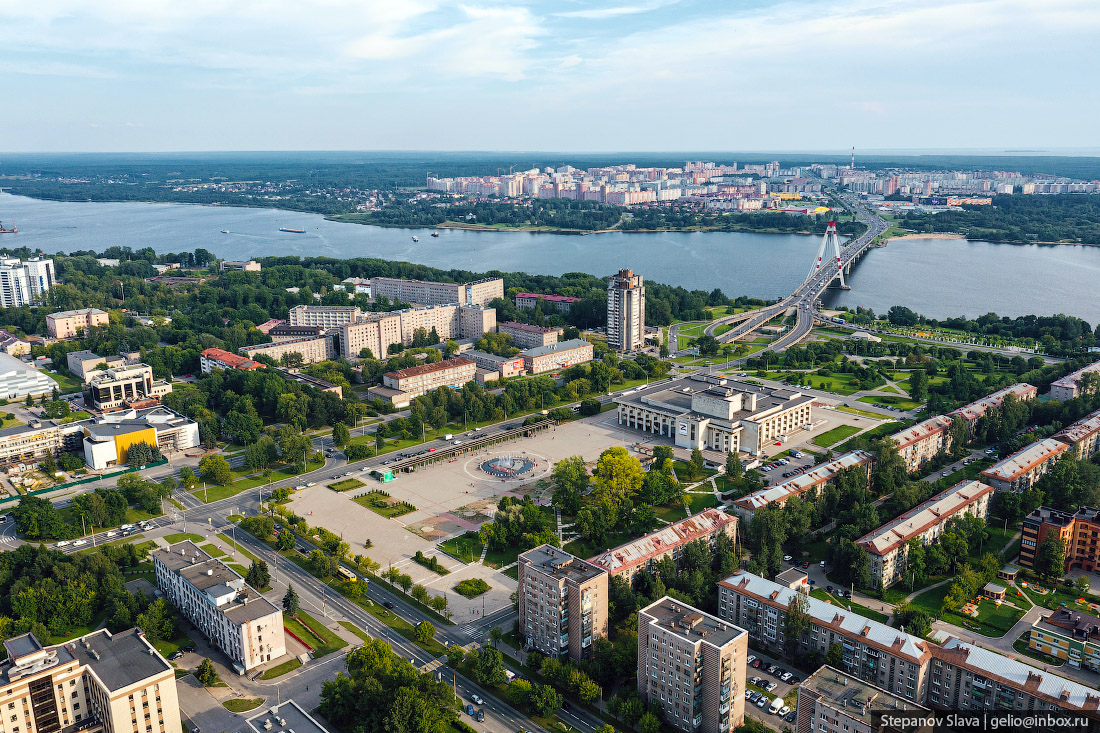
(376,76)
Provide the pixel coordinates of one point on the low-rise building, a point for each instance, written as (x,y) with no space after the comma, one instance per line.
(1021,391)
(108,438)
(325,316)
(426,292)
(1080,531)
(240,266)
(642,554)
(285,332)
(1083,436)
(715,413)
(887,547)
(967,677)
(920,443)
(211,359)
(833,701)
(236,619)
(309,380)
(503,366)
(561,355)
(29,444)
(562,602)
(872,651)
(269,324)
(816,478)
(559,303)
(1024,467)
(1069,635)
(83,363)
(693,665)
(12,345)
(1069,386)
(19,380)
(98,683)
(529,336)
(403,386)
(312,349)
(289,716)
(124,386)
(68,324)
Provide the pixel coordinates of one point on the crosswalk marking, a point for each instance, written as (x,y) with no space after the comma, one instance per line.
(431,666)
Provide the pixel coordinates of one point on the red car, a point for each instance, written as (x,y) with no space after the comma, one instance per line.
(756,664)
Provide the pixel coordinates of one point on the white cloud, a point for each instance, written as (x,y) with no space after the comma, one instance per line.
(615,10)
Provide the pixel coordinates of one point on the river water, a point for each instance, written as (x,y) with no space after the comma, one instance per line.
(938,278)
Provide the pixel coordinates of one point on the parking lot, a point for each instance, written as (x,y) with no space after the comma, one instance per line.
(770,686)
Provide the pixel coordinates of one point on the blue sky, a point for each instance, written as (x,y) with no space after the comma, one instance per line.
(570,75)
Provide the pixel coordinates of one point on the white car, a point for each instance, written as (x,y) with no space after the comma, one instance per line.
(63,543)
(477,700)
(112,533)
(786,558)
(311,483)
(78,543)
(751,659)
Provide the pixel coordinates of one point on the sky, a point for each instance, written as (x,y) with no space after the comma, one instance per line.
(548,75)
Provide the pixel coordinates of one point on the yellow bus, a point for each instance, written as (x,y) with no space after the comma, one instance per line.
(347,574)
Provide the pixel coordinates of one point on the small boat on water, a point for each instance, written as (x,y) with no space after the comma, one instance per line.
(435,234)
(416,239)
(292,231)
(13,230)
(225,231)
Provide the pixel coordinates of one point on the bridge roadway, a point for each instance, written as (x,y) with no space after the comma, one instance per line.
(806,295)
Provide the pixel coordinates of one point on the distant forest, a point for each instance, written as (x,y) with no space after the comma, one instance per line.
(1070,217)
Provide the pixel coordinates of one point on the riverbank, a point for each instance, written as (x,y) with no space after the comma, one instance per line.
(925,236)
(955,235)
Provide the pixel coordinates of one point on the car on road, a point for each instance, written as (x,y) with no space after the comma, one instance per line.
(311,483)
(388,605)
(477,700)
(796,680)
(79,543)
(828,589)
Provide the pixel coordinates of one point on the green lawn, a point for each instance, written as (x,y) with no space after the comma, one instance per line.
(842,384)
(238,547)
(861,413)
(858,609)
(466,548)
(181,536)
(834,436)
(364,636)
(384,506)
(684,469)
(670,512)
(212,550)
(993,620)
(346,485)
(320,637)
(901,403)
(10,422)
(471,587)
(1021,647)
(243,704)
(214,493)
(699,502)
(280,670)
(173,645)
(585,549)
(931,600)
(66,383)
(133,516)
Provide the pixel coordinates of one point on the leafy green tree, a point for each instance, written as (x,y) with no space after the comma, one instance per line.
(206,674)
(1050,557)
(649,723)
(340,434)
(424,632)
(734,470)
(285,540)
(291,604)
(914,563)
(488,668)
(918,384)
(215,469)
(835,656)
(570,477)
(258,576)
(157,621)
(544,699)
(496,635)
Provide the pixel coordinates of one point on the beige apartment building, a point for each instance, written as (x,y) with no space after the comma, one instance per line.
(403,386)
(874,652)
(693,664)
(83,363)
(124,386)
(426,292)
(561,355)
(284,332)
(1083,436)
(240,266)
(562,602)
(625,311)
(379,331)
(886,547)
(1023,468)
(325,316)
(920,443)
(68,324)
(833,701)
(98,683)
(234,617)
(816,478)
(1021,390)
(1069,386)
(529,336)
(312,349)
(642,554)
(375,331)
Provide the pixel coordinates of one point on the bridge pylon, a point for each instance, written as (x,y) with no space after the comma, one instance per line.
(829,241)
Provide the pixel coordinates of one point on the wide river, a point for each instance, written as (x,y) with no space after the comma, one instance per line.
(936,277)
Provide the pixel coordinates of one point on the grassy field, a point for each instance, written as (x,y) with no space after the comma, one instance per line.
(181,536)
(243,704)
(902,403)
(173,645)
(214,493)
(320,637)
(238,547)
(992,620)
(66,383)
(870,613)
(363,636)
(683,468)
(471,587)
(466,548)
(384,506)
(670,512)
(280,670)
(699,502)
(212,551)
(346,485)
(834,436)
(133,516)
(861,413)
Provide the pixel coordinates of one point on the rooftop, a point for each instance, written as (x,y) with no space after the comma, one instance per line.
(77,312)
(922,430)
(550,298)
(560,346)
(675,398)
(439,366)
(1070,380)
(107,426)
(690,623)
(119,660)
(657,543)
(1081,625)
(977,408)
(1081,429)
(289,716)
(803,482)
(920,518)
(236,361)
(1026,459)
(856,698)
(279,344)
(530,328)
(824,613)
(560,564)
(791,575)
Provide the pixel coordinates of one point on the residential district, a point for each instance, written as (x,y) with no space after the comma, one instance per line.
(223,515)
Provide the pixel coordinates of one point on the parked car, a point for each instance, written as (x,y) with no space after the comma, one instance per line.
(771,668)
(756,664)
(748,694)
(480,715)
(755,681)
(828,589)
(786,676)
(763,702)
(175,655)
(771,685)
(751,659)
(789,717)
(188,649)
(796,680)
(787,558)
(470,710)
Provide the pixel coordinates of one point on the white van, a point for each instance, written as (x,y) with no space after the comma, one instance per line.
(776,706)
(448,436)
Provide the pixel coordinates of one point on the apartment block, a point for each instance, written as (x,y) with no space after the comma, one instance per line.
(124,386)
(285,332)
(559,303)
(1024,467)
(211,359)
(403,386)
(642,554)
(24,282)
(967,677)
(1083,437)
(716,413)
(235,618)
(886,547)
(82,363)
(239,266)
(920,443)
(529,336)
(12,345)
(69,324)
(98,683)
(425,292)
(874,652)
(325,316)
(1069,635)
(833,701)
(379,331)
(816,478)
(312,349)
(561,355)
(503,366)
(625,311)
(375,331)
(1079,530)
(693,664)
(1069,386)
(1021,390)
(108,438)
(562,602)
